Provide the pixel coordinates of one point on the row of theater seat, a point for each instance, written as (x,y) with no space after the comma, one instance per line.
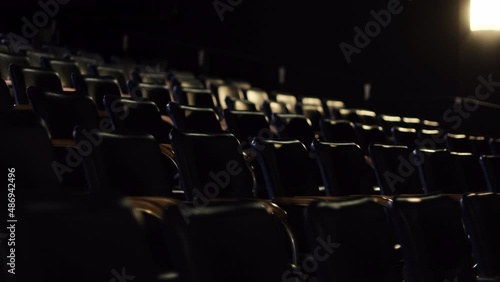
(246,193)
(406,238)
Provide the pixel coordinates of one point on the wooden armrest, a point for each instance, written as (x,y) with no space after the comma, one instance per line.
(23,108)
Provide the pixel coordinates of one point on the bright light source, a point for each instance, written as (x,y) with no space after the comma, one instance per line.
(484,15)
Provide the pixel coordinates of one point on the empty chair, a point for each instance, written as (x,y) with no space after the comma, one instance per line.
(247,125)
(451,173)
(96,87)
(458,143)
(62,112)
(272,107)
(151,76)
(137,116)
(246,243)
(491,170)
(314,113)
(359,116)
(6,60)
(433,138)
(234,104)
(396,173)
(429,124)
(114,72)
(287,168)
(313,101)
(257,96)
(64,68)
(193,118)
(363,245)
(411,122)
(27,149)
(332,107)
(195,97)
(388,122)
(434,244)
(6,101)
(344,169)
(289,100)
(159,94)
(293,126)
(34,57)
(83,63)
(404,136)
(479,145)
(369,134)
(338,131)
(211,166)
(481,214)
(125,164)
(224,91)
(213,82)
(494,146)
(85,227)
(23,77)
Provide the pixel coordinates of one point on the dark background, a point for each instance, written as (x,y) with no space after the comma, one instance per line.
(426,51)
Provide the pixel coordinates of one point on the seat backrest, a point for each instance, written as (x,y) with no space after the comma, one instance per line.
(96,87)
(194,118)
(246,243)
(288,99)
(195,97)
(34,57)
(83,63)
(137,116)
(481,215)
(97,240)
(224,91)
(435,136)
(6,101)
(117,73)
(7,59)
(159,94)
(257,96)
(440,171)
(211,165)
(432,237)
(360,243)
(344,169)
(491,171)
(234,104)
(404,136)
(246,125)
(369,134)
(292,126)
(272,107)
(338,131)
(64,68)
(23,77)
(313,113)
(395,170)
(458,143)
(62,112)
(287,167)
(332,107)
(121,164)
(26,147)
(479,145)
